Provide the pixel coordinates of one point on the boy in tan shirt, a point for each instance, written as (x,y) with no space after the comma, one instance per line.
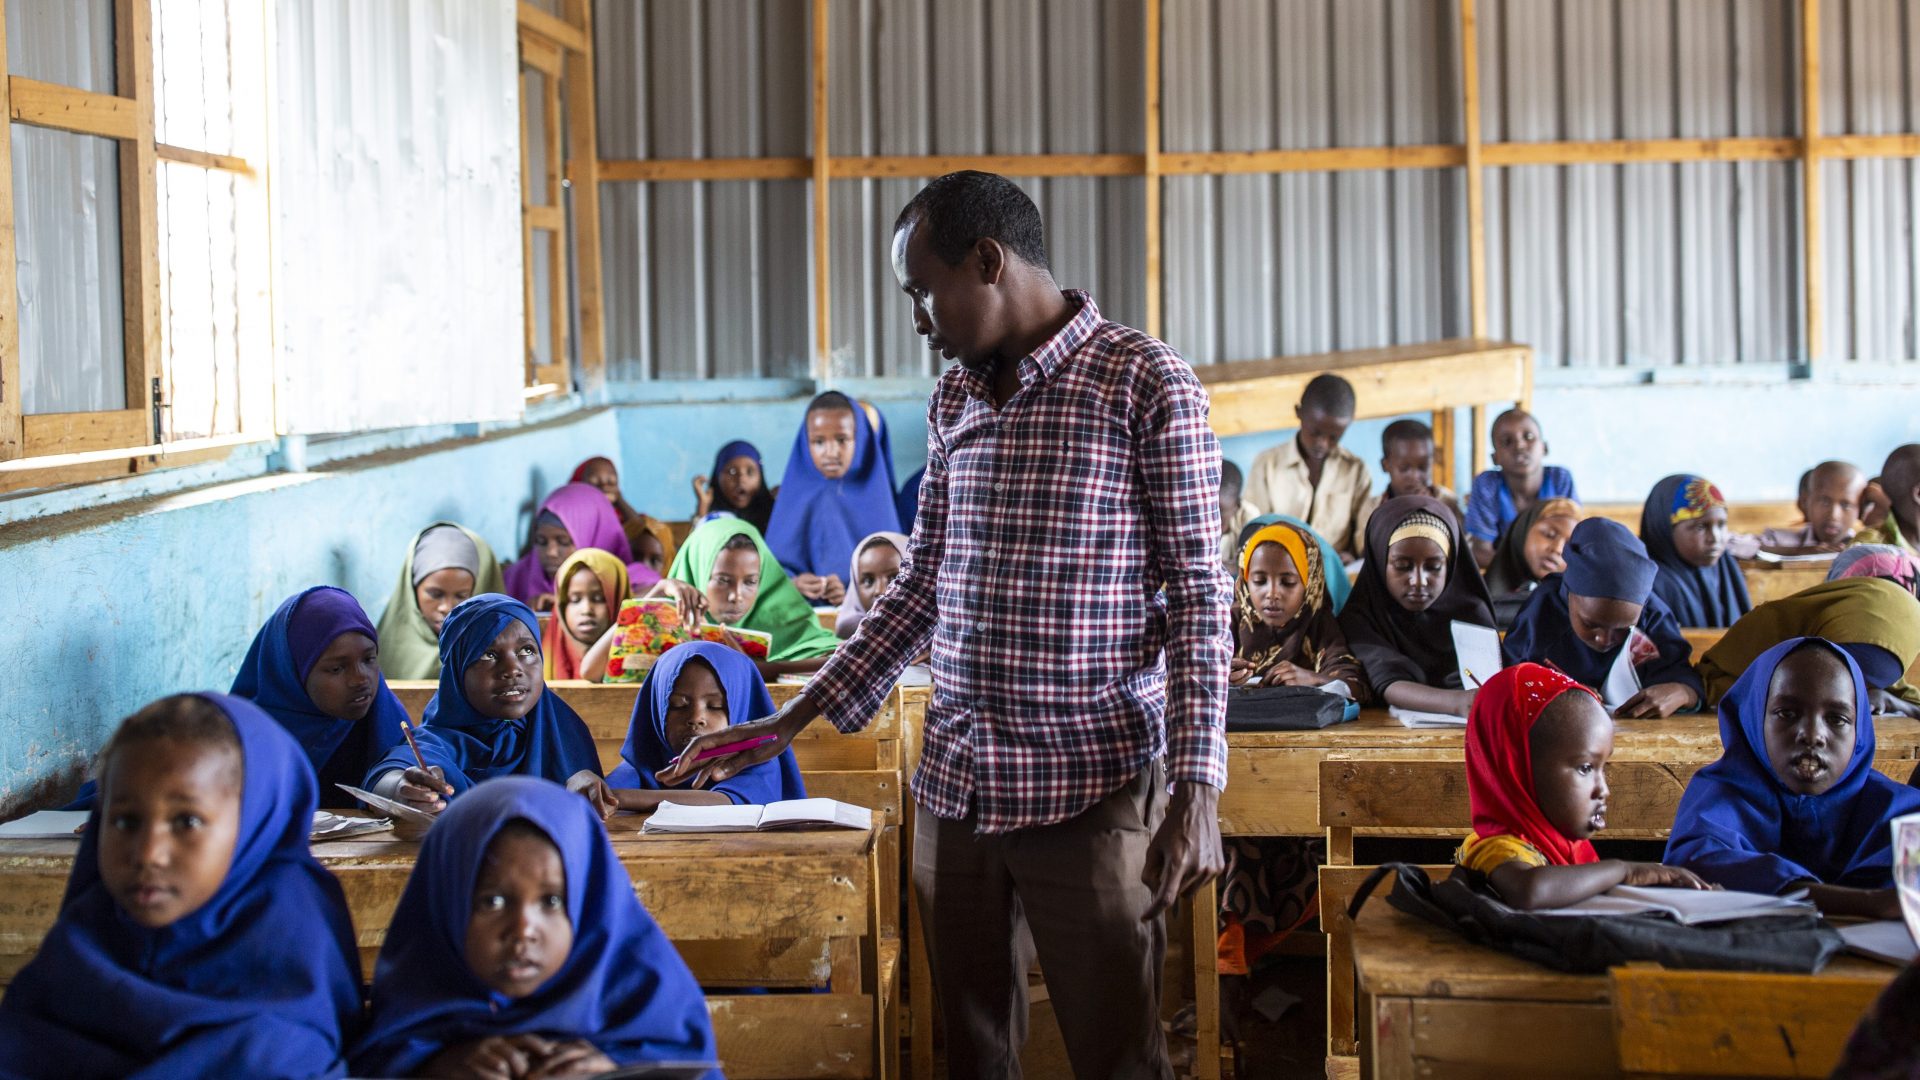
(1311,476)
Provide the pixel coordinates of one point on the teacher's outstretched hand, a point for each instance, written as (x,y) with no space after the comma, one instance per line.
(783,726)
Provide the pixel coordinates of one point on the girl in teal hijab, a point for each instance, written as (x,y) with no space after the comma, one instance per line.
(1338,585)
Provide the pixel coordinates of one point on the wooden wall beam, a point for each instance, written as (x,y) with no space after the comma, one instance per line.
(1476,180)
(1634,151)
(1153,166)
(822,192)
(83,112)
(569,33)
(913,167)
(12,439)
(1326,159)
(1810,174)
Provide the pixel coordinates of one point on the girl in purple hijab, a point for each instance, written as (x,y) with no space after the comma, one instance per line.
(574,516)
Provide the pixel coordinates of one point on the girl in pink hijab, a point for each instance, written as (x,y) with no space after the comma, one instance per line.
(574,516)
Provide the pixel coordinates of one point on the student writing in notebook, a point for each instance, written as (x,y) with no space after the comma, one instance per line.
(691,690)
(198,936)
(1418,579)
(1582,620)
(1312,476)
(492,716)
(1794,800)
(519,949)
(1537,748)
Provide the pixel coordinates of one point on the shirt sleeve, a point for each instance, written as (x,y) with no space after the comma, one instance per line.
(1483,508)
(1179,461)
(1485,854)
(1675,662)
(848,691)
(1573,489)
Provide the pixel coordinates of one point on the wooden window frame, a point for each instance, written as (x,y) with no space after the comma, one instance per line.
(560,48)
(45,449)
(1472,155)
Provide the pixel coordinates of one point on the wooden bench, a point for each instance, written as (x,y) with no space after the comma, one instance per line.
(1273,789)
(1252,396)
(734,904)
(1436,1005)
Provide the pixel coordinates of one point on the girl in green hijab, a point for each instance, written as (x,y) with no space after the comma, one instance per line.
(745,587)
(1872,618)
(446,563)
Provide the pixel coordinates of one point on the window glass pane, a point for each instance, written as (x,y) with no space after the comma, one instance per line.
(205,299)
(69,42)
(542,296)
(66,227)
(533,106)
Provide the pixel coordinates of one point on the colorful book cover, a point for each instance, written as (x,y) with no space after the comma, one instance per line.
(652,626)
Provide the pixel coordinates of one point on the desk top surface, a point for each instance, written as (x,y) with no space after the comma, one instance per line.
(1398,955)
(1691,731)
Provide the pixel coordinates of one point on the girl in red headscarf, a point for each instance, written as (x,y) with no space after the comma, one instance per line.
(1537,749)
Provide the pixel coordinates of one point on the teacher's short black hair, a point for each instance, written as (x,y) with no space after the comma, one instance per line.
(963,208)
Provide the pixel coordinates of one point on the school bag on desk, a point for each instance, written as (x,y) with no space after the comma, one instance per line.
(1285,708)
(1590,944)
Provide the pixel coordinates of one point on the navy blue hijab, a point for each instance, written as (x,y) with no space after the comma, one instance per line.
(262,980)
(1738,827)
(646,751)
(274,677)
(1712,596)
(817,521)
(1603,560)
(623,987)
(551,741)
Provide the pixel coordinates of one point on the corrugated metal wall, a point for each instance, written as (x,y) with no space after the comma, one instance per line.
(1597,266)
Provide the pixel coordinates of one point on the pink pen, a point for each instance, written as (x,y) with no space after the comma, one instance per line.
(730,748)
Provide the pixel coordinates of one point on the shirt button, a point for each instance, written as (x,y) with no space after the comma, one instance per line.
(993,553)
(999,489)
(981,625)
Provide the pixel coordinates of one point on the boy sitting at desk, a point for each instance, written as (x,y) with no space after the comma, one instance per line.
(1312,477)
(1406,456)
(1521,478)
(1900,479)
(1830,499)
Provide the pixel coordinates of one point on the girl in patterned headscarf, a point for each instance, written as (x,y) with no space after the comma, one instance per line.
(1684,525)
(1284,630)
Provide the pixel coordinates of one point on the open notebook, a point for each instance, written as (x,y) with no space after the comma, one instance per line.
(1686,906)
(1885,940)
(1477,650)
(789,814)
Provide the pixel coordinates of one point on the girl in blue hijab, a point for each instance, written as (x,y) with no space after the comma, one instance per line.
(492,715)
(479,965)
(695,688)
(1794,799)
(838,490)
(736,487)
(1580,619)
(223,950)
(315,667)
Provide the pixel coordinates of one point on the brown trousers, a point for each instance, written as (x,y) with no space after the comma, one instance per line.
(1076,886)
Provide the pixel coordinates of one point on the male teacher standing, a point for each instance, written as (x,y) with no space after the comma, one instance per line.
(1065,568)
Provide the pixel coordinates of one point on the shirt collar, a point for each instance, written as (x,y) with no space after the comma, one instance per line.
(1045,362)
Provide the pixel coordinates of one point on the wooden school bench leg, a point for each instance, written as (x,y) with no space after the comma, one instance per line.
(1443,444)
(1206,981)
(1480,438)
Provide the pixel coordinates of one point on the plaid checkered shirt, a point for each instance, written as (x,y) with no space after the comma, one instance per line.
(1046,534)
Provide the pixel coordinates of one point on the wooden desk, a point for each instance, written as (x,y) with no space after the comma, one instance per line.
(749,909)
(1771,581)
(1273,789)
(1259,395)
(1433,1005)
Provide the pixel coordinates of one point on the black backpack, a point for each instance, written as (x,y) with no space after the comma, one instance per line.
(1586,945)
(1285,708)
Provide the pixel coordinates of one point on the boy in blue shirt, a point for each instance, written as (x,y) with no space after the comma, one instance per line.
(1522,477)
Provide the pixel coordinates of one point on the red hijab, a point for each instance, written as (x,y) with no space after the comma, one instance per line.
(1500,760)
